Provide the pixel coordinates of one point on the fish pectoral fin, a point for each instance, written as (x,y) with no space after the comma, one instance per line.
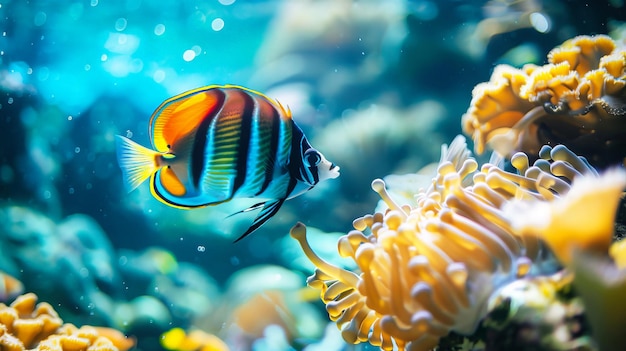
(138,163)
(268,211)
(251,208)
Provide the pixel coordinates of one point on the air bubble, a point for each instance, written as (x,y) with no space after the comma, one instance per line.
(120,24)
(217,24)
(189,55)
(159,29)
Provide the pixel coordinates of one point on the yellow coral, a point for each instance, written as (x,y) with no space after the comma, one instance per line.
(577,99)
(196,340)
(26,324)
(430,268)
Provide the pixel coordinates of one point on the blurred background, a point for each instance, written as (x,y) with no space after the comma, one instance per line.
(377,86)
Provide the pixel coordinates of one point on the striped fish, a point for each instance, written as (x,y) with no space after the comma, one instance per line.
(216,143)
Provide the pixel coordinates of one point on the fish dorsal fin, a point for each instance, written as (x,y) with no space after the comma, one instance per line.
(182,114)
(268,211)
(283,109)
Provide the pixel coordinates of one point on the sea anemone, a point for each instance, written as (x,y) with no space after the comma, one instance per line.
(578,99)
(431,268)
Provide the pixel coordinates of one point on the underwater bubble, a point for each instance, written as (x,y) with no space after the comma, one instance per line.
(217,24)
(122,261)
(71,191)
(10,100)
(40,19)
(47,194)
(189,55)
(226,2)
(234,261)
(69,118)
(129,134)
(196,49)
(159,29)
(159,75)
(201,248)
(94,3)
(87,67)
(120,24)
(540,22)
(104,57)
(77,149)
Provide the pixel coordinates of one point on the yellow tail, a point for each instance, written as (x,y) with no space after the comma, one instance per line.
(138,163)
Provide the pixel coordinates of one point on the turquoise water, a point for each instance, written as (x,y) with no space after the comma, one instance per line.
(377,86)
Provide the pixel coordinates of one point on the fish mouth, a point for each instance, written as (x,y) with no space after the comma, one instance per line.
(333,171)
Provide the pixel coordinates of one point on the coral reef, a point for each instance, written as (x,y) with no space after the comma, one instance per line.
(577,99)
(28,325)
(431,268)
(382,84)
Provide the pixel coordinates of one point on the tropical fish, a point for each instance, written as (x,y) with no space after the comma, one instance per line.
(216,143)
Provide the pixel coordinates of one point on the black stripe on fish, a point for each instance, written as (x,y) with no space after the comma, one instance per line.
(273,149)
(198,152)
(246,119)
(295,158)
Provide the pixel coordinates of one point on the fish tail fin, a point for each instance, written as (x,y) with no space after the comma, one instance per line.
(137,162)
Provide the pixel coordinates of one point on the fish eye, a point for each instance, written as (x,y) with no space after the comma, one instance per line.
(312,157)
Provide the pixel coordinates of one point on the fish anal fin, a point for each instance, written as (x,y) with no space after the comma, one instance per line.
(251,208)
(270,208)
(170,182)
(137,163)
(181,115)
